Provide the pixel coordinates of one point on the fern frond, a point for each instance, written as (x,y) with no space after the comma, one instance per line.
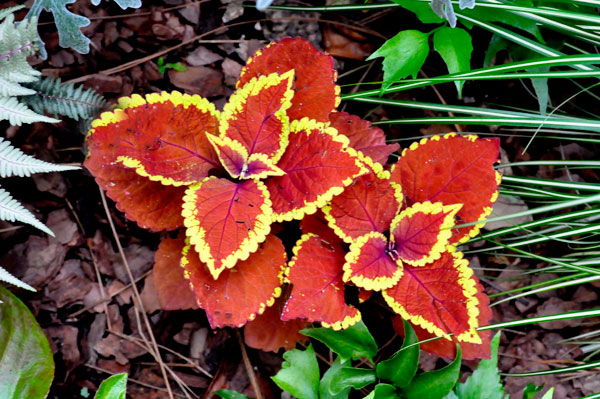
(18,113)
(11,210)
(11,89)
(14,162)
(66,99)
(9,278)
(17,42)
(9,10)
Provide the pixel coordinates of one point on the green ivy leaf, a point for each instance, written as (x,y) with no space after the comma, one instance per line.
(531,389)
(404,54)
(356,378)
(325,391)
(385,391)
(455,46)
(113,387)
(484,383)
(401,368)
(435,384)
(26,363)
(352,343)
(299,374)
(230,394)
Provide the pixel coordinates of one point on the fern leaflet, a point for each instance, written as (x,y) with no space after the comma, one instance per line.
(64,99)
(18,113)
(14,162)
(11,210)
(9,278)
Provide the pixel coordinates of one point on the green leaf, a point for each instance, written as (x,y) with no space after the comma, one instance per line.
(540,85)
(422,10)
(484,383)
(356,378)
(325,391)
(352,343)
(404,54)
(26,363)
(113,387)
(230,394)
(385,391)
(299,374)
(435,384)
(455,47)
(531,389)
(549,394)
(509,19)
(401,368)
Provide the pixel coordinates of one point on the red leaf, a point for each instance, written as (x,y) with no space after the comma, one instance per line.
(440,297)
(367,205)
(317,225)
(255,115)
(234,157)
(315,273)
(242,293)
(369,265)
(452,170)
(164,137)
(363,137)
(150,204)
(316,93)
(447,349)
(173,290)
(226,221)
(420,233)
(269,333)
(318,165)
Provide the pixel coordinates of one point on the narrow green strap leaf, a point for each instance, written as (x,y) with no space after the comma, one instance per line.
(562,370)
(113,387)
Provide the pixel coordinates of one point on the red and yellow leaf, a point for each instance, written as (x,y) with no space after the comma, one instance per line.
(318,165)
(315,273)
(234,158)
(255,115)
(439,297)
(226,220)
(172,288)
(452,170)
(164,139)
(239,295)
(367,205)
(315,91)
(420,233)
(363,137)
(447,349)
(269,333)
(150,204)
(369,264)
(317,225)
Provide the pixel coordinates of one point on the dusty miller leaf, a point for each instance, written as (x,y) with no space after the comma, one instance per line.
(124,4)
(67,24)
(443,8)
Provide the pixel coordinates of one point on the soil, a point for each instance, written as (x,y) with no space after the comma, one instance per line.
(92,339)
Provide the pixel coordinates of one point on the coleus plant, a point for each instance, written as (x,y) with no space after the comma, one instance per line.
(277,152)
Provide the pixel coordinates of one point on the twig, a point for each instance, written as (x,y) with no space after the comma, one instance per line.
(96,268)
(137,295)
(249,368)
